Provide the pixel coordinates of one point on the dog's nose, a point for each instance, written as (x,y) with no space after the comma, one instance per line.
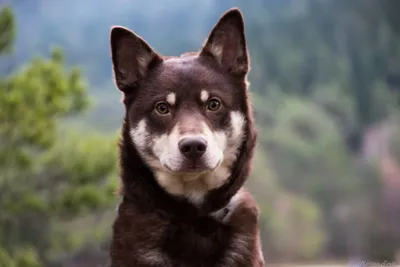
(192,147)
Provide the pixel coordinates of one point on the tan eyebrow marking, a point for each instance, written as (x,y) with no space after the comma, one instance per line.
(204,95)
(171,99)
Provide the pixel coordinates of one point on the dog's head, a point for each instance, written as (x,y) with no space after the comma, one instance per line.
(187,115)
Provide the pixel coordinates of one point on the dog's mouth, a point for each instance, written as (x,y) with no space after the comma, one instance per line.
(192,168)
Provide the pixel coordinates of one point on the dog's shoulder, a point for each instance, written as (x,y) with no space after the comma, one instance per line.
(241,208)
(241,215)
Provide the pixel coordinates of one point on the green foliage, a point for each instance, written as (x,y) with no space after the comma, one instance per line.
(34,98)
(291,224)
(296,230)
(7,29)
(24,257)
(319,70)
(47,172)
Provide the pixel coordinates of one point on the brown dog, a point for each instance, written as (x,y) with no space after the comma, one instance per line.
(186,149)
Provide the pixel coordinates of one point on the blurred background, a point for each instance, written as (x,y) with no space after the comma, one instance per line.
(325,83)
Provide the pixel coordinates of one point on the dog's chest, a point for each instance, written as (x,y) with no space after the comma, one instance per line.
(153,241)
(200,241)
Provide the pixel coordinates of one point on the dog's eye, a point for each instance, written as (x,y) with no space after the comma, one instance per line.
(213,104)
(162,108)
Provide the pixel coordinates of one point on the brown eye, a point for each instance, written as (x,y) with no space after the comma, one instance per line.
(162,108)
(213,104)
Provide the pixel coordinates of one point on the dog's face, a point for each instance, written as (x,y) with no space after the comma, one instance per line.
(185,114)
(186,120)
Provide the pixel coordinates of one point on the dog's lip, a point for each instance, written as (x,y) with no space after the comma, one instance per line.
(192,170)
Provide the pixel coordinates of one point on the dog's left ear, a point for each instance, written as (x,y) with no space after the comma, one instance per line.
(227,43)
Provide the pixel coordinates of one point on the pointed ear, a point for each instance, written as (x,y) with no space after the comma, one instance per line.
(132,58)
(227,43)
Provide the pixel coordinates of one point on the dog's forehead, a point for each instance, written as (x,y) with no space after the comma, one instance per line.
(187,75)
(187,66)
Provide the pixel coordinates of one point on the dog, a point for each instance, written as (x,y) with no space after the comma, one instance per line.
(185,152)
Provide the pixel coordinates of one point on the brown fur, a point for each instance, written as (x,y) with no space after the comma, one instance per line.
(154,228)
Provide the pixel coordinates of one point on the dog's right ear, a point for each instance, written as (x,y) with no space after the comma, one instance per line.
(132,58)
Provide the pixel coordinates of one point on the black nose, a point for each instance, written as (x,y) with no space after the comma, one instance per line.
(192,147)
